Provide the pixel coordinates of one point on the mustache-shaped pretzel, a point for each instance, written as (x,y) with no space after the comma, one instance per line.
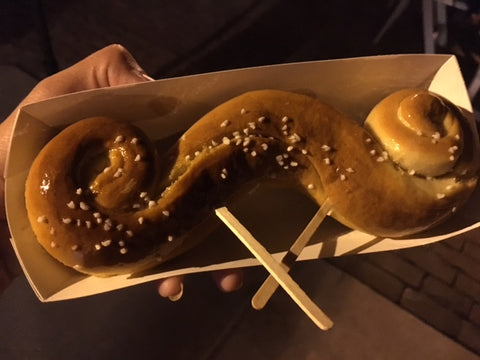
(102,200)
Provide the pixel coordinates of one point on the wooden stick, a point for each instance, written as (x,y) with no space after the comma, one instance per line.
(275,269)
(270,285)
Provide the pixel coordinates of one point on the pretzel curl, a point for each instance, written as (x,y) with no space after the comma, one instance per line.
(102,200)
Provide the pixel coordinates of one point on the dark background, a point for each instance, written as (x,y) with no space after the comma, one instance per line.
(435,287)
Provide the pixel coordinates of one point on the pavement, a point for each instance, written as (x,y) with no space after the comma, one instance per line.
(419,303)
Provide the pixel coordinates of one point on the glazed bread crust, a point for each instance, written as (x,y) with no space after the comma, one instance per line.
(102,200)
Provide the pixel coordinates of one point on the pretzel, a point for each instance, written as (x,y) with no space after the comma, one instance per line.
(101,199)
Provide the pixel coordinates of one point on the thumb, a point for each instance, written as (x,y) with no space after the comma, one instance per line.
(111,66)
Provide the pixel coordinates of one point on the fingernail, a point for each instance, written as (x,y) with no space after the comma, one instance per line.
(177,296)
(145,76)
(132,62)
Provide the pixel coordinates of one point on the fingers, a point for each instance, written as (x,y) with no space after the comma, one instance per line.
(171,288)
(111,66)
(228,280)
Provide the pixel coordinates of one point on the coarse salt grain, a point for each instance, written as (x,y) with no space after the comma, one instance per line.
(84,206)
(452,149)
(106,242)
(118,173)
(42,219)
(295,138)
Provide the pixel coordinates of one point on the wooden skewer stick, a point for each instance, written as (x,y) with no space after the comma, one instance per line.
(275,269)
(265,292)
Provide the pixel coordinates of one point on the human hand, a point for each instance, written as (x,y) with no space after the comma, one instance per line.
(110,66)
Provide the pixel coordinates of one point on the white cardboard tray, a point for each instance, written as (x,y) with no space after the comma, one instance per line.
(276,218)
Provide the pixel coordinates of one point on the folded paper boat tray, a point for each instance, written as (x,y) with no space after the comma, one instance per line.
(166,107)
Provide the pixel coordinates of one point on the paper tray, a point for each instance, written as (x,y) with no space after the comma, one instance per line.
(165,107)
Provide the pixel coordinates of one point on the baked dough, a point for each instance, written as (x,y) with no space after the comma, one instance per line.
(101,200)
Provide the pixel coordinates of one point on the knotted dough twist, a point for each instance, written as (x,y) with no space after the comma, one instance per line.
(100,199)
